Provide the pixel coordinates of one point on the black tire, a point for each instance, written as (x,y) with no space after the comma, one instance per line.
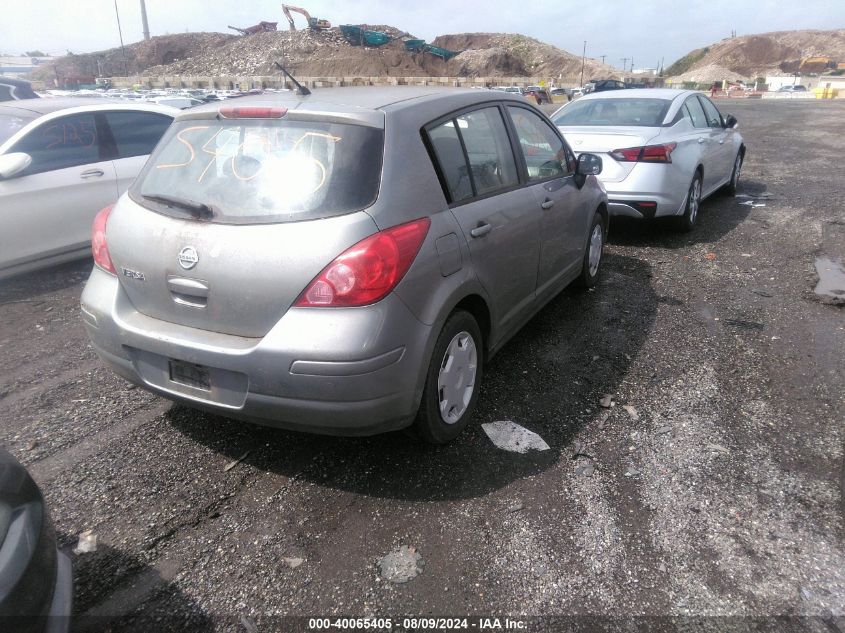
(589,276)
(731,187)
(430,424)
(686,222)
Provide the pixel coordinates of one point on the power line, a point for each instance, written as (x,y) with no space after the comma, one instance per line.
(122,48)
(583,58)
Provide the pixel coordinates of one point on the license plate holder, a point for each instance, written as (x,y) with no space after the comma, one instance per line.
(190,375)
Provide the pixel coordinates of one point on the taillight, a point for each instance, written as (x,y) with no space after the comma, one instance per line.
(367,271)
(252,112)
(647,154)
(98,241)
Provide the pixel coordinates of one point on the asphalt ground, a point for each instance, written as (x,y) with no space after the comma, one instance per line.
(715,503)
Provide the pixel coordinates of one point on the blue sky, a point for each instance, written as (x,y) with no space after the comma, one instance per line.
(647,30)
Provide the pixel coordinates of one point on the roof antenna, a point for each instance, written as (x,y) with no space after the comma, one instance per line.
(300,89)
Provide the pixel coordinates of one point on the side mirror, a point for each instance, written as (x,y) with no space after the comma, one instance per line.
(13,164)
(730,121)
(588,165)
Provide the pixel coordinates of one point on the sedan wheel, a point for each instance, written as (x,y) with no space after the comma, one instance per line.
(732,185)
(690,216)
(453,380)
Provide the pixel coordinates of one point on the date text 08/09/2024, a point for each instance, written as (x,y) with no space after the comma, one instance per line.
(417,624)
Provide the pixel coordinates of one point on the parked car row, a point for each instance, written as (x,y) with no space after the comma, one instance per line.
(343,262)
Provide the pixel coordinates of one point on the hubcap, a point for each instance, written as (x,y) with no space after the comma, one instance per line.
(456,380)
(694,199)
(595,250)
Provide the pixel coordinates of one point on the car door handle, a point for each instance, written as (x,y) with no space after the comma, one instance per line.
(722,142)
(547,204)
(92,173)
(481,230)
(702,140)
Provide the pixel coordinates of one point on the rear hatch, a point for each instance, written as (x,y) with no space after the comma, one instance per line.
(603,140)
(232,218)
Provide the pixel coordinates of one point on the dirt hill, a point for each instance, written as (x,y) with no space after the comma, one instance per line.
(517,55)
(162,49)
(327,53)
(758,55)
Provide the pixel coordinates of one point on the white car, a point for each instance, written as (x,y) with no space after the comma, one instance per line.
(663,151)
(61,161)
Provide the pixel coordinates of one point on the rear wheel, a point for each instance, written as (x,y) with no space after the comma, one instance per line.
(453,380)
(591,265)
(688,219)
(734,182)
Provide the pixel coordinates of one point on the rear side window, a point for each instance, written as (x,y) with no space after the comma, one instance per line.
(714,119)
(252,171)
(64,142)
(136,133)
(542,149)
(488,164)
(489,151)
(453,164)
(696,113)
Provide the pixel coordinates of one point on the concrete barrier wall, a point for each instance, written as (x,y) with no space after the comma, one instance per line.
(274,81)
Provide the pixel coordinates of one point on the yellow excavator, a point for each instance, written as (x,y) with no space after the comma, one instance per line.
(315,24)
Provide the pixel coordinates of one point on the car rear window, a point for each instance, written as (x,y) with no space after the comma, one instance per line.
(617,112)
(263,171)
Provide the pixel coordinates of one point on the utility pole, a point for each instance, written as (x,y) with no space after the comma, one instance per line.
(583,58)
(602,59)
(122,48)
(144,20)
(624,63)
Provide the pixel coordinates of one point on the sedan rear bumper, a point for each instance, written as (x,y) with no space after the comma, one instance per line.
(356,371)
(663,184)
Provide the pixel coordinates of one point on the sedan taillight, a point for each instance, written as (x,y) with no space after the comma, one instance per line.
(367,271)
(648,154)
(98,241)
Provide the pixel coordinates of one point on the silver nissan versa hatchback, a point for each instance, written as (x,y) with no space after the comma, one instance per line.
(342,262)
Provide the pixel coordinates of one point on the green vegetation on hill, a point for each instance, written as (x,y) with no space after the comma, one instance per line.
(686,62)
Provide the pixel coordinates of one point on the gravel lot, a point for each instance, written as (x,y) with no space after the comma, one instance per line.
(719,495)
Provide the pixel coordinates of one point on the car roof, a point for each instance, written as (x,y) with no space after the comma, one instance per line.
(40,107)
(647,93)
(360,101)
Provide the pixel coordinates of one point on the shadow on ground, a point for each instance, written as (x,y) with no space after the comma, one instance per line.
(28,287)
(719,215)
(549,378)
(138,598)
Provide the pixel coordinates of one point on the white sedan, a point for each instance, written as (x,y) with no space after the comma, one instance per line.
(61,161)
(663,151)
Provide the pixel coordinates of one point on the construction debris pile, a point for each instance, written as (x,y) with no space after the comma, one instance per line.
(506,54)
(328,53)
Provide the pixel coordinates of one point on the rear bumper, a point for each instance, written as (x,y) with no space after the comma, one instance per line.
(355,371)
(661,184)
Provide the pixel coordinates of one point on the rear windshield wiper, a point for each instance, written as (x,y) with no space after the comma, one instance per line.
(199,210)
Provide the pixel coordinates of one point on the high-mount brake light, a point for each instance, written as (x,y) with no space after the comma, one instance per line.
(648,154)
(367,271)
(252,112)
(99,247)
